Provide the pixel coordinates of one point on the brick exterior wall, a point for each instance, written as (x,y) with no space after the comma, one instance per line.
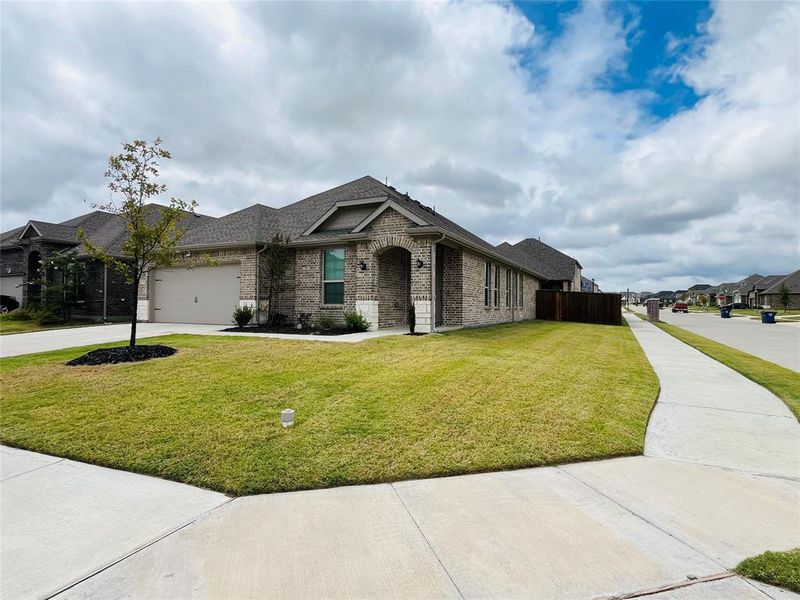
(452,280)
(14,259)
(474,311)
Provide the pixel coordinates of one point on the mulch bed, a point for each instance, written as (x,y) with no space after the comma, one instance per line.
(120,354)
(290,330)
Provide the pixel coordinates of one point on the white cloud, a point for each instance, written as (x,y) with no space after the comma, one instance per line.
(271,102)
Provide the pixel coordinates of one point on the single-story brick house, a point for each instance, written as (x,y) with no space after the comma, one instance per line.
(362,246)
(560,271)
(771,296)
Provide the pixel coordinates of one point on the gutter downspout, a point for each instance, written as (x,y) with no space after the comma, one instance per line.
(258,284)
(434,314)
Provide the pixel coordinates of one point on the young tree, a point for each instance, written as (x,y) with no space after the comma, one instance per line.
(276,263)
(703,300)
(784,297)
(153,232)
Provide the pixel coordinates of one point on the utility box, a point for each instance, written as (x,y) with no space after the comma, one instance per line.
(652,309)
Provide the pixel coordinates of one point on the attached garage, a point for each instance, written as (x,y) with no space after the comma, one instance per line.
(11,286)
(198,295)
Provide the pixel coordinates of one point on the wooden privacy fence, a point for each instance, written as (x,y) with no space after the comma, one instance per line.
(579,306)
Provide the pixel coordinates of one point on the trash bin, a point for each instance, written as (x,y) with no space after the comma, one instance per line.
(725,312)
(768,316)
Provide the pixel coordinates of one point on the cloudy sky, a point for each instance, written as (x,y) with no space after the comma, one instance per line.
(658,143)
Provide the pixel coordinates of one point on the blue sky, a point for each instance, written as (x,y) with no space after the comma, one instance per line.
(654,30)
(656,142)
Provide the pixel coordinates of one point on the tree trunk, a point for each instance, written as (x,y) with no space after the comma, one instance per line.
(132,342)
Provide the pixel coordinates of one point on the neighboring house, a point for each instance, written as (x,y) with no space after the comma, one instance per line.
(589,286)
(771,297)
(101,292)
(362,246)
(682,295)
(755,295)
(742,288)
(666,297)
(697,290)
(560,271)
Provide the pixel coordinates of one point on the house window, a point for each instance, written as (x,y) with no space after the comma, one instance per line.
(508,288)
(333,276)
(487,284)
(496,286)
(521,287)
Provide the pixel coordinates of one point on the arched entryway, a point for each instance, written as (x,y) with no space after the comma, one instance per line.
(33,277)
(394,286)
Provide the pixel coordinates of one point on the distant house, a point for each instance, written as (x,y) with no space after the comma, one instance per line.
(755,295)
(561,271)
(697,290)
(771,297)
(742,288)
(666,297)
(589,286)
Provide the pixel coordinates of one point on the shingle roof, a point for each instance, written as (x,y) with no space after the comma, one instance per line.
(538,256)
(768,281)
(103,229)
(699,287)
(791,281)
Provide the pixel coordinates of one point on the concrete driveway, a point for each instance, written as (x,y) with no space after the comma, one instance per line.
(56,339)
(778,343)
(668,525)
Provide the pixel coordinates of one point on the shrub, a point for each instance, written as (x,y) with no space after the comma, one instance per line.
(52,318)
(325,322)
(304,320)
(26,313)
(242,315)
(355,321)
(411,317)
(278,320)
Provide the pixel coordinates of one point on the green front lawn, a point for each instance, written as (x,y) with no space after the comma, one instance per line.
(387,409)
(775,568)
(8,326)
(781,381)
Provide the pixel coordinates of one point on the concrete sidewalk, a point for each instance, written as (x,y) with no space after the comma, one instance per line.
(18,344)
(710,414)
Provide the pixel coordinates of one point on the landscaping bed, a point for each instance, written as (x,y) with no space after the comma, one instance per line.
(393,408)
(120,354)
(289,329)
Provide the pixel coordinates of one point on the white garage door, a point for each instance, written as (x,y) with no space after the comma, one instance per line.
(198,295)
(11,286)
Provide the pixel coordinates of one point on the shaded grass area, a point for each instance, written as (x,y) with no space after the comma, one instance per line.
(779,380)
(9,326)
(775,568)
(387,409)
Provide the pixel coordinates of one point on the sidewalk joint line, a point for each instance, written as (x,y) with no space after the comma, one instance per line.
(671,586)
(427,541)
(60,460)
(136,550)
(735,410)
(642,518)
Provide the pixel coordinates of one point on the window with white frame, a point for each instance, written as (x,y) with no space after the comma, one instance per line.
(508,288)
(496,286)
(333,276)
(487,284)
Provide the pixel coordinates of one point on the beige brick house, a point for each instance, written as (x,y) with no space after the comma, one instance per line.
(360,247)
(363,247)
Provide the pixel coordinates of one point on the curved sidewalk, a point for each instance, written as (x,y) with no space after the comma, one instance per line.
(708,413)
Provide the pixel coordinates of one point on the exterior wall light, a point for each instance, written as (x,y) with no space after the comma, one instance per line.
(362,265)
(420,264)
(187,255)
(287,417)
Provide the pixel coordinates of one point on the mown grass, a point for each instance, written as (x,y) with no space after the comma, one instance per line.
(781,381)
(775,568)
(9,326)
(387,409)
